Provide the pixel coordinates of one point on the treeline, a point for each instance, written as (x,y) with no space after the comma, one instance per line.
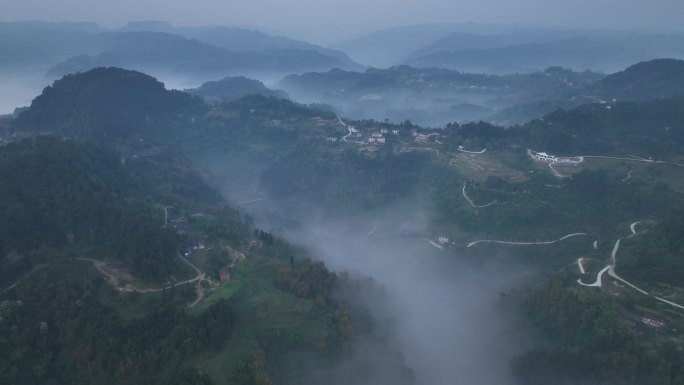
(649,129)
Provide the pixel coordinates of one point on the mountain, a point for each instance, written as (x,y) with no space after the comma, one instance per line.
(92,232)
(282,317)
(388,47)
(32,47)
(235,39)
(528,52)
(461,41)
(107,104)
(578,54)
(231,88)
(649,129)
(655,79)
(176,57)
(433,96)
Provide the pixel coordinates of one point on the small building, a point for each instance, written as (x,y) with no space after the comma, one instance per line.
(384,131)
(331,139)
(372,140)
(376,135)
(380,140)
(422,138)
(652,322)
(443,240)
(543,157)
(395,132)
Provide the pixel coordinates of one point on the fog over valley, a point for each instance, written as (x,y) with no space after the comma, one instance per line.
(360,193)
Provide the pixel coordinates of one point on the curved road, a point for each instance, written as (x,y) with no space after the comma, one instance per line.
(467,198)
(525,243)
(473,152)
(611,271)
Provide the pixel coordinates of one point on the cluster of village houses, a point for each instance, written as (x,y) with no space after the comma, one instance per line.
(378,137)
(180,225)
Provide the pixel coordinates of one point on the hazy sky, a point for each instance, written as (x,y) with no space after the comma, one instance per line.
(332,21)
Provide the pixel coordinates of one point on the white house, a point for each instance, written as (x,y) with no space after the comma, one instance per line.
(543,157)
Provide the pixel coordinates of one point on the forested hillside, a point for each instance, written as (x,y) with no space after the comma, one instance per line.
(123,195)
(57,195)
(109,232)
(108,104)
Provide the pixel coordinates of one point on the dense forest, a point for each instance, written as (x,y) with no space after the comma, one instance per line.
(56,194)
(124,180)
(107,104)
(591,342)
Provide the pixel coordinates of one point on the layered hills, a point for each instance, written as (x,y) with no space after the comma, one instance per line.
(558,193)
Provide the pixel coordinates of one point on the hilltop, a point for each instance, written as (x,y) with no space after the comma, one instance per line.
(232,88)
(105,104)
(655,79)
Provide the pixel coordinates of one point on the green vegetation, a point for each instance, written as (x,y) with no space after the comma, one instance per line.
(346,182)
(658,255)
(98,105)
(55,195)
(55,329)
(592,343)
(233,88)
(121,189)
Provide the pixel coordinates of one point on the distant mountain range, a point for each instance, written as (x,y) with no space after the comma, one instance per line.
(576,53)
(501,49)
(192,55)
(174,56)
(434,96)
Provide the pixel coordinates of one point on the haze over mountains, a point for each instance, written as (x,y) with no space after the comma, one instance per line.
(451,74)
(432,96)
(319,192)
(142,154)
(35,53)
(500,49)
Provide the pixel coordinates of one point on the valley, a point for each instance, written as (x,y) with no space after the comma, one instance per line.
(230,235)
